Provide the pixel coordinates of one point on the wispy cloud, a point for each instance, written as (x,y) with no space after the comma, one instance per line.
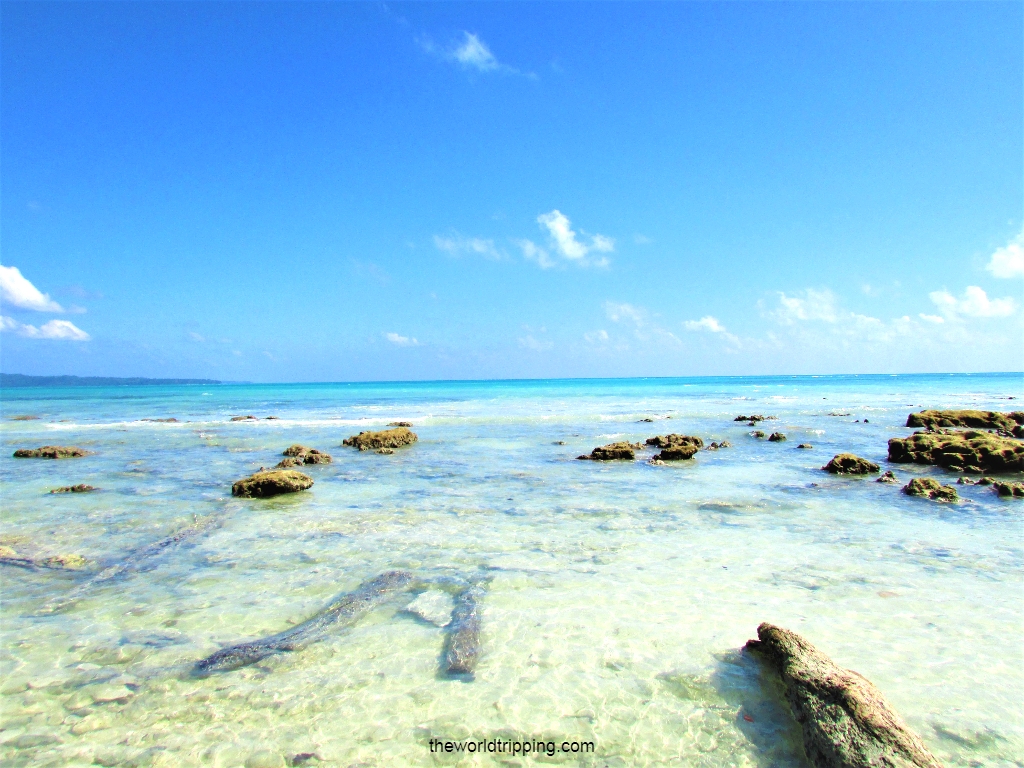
(17,291)
(565,243)
(533,252)
(643,328)
(1008,261)
(617,312)
(458,245)
(596,337)
(196,337)
(975,303)
(710,324)
(401,341)
(529,342)
(470,52)
(59,330)
(809,304)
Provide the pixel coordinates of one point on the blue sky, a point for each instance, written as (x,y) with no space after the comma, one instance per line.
(361,191)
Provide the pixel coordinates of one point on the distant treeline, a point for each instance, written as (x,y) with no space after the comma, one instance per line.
(21,380)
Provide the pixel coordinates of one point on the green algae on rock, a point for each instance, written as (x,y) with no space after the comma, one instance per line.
(930,488)
(776,437)
(846,722)
(971,448)
(850,464)
(1007,422)
(670,441)
(51,452)
(387,438)
(1009,489)
(621,451)
(888,477)
(271,483)
(80,488)
(305,455)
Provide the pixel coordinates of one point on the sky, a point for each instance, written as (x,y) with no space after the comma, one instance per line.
(311,191)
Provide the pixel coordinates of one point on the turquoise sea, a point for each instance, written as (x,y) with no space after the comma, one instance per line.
(617,594)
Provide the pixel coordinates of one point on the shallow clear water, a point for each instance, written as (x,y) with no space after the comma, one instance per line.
(619,594)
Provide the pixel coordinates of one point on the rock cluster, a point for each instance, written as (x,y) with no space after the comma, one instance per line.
(51,452)
(971,450)
(388,438)
(846,722)
(676,447)
(80,488)
(1009,489)
(621,451)
(272,482)
(850,464)
(1010,423)
(931,489)
(300,454)
(717,446)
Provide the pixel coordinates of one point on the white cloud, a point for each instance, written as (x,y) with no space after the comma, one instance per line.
(975,303)
(596,337)
(931,318)
(531,343)
(707,323)
(19,292)
(534,252)
(1008,261)
(401,341)
(196,337)
(564,240)
(618,312)
(457,245)
(60,330)
(810,305)
(641,239)
(474,53)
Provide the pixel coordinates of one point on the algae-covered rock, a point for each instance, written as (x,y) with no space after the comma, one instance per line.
(289,462)
(850,464)
(982,450)
(755,418)
(388,438)
(621,451)
(24,417)
(846,722)
(776,437)
(888,477)
(668,441)
(1009,489)
(271,483)
(967,418)
(385,451)
(805,446)
(306,455)
(51,452)
(71,562)
(80,488)
(931,489)
(719,446)
(678,452)
(758,434)
(250,417)
(400,424)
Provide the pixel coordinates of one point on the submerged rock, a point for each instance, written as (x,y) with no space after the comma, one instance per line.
(80,488)
(982,450)
(846,722)
(621,451)
(51,452)
(776,437)
(305,455)
(755,418)
(850,464)
(250,417)
(388,438)
(805,446)
(931,489)
(400,424)
(24,417)
(1009,489)
(385,451)
(271,483)
(434,606)
(888,477)
(758,434)
(973,419)
(171,420)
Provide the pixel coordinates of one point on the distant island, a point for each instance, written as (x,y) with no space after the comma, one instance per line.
(21,380)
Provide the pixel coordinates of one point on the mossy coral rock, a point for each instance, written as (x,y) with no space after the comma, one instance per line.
(677,453)
(974,419)
(80,488)
(888,477)
(850,464)
(387,438)
(51,452)
(959,449)
(1009,489)
(776,437)
(845,720)
(621,451)
(305,455)
(271,483)
(931,489)
(672,441)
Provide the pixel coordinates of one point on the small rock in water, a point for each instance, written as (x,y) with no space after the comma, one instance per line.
(986,481)
(1009,489)
(80,488)
(849,464)
(931,489)
(964,481)
(805,446)
(757,433)
(559,442)
(888,477)
(103,694)
(434,606)
(385,451)
(250,417)
(776,437)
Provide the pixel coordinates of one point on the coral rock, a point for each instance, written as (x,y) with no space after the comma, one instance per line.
(388,438)
(982,450)
(931,489)
(849,464)
(271,483)
(51,452)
